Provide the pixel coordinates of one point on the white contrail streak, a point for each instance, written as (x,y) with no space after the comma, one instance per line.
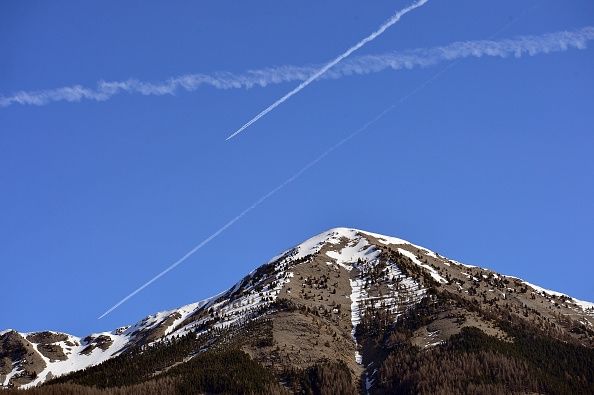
(394,19)
(279,187)
(244,212)
(293,178)
(297,175)
(420,57)
(238,217)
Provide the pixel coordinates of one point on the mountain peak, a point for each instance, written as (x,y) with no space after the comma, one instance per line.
(343,277)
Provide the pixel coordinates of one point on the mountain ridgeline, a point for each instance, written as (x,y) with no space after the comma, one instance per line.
(345,312)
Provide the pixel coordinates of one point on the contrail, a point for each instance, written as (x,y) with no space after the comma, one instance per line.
(281,186)
(394,19)
(401,60)
(238,217)
(247,210)
(107,88)
(300,172)
(296,176)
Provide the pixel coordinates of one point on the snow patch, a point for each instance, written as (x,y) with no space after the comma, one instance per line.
(587,307)
(431,270)
(10,375)
(314,244)
(354,251)
(461,264)
(78,361)
(358,358)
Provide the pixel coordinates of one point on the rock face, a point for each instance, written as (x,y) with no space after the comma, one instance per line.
(326,298)
(16,350)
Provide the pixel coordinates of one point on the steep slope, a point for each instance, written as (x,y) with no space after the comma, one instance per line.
(28,359)
(329,304)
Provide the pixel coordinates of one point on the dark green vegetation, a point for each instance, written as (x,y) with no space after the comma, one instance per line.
(136,366)
(181,366)
(473,362)
(221,371)
(323,378)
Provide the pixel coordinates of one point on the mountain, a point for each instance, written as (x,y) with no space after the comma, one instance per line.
(346,311)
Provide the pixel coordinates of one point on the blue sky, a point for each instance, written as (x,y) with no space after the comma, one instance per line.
(490,164)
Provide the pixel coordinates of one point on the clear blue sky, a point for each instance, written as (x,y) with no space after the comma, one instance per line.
(491,164)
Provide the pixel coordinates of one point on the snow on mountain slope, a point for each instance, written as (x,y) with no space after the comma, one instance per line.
(59,353)
(362,257)
(588,307)
(383,273)
(79,353)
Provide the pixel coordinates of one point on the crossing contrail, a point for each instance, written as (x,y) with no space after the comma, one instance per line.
(528,45)
(395,18)
(242,214)
(285,183)
(246,211)
(295,176)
